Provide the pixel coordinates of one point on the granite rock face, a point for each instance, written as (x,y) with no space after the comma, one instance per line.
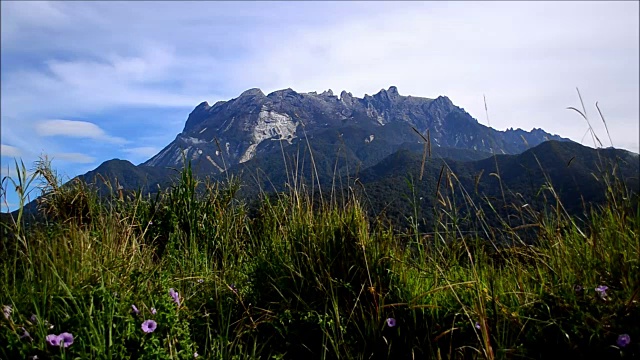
(235,131)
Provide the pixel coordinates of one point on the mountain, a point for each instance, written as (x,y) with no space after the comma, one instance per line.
(577,174)
(286,138)
(123,173)
(232,132)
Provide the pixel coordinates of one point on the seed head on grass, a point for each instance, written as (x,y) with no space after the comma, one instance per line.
(149,326)
(6,311)
(623,340)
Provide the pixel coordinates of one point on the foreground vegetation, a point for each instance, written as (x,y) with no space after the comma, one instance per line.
(193,272)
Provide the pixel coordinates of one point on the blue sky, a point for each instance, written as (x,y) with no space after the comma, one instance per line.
(85,82)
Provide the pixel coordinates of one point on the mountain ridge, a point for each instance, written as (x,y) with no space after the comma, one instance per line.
(236,129)
(262,137)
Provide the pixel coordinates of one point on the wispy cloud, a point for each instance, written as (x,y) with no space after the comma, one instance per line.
(9,151)
(73,158)
(142,151)
(75,129)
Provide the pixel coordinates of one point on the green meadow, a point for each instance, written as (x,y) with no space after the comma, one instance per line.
(194,271)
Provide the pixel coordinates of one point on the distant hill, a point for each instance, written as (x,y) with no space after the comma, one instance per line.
(575,172)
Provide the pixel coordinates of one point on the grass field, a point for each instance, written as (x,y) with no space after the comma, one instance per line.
(188,273)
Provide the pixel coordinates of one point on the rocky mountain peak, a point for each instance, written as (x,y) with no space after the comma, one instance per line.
(281,94)
(443,101)
(346,97)
(237,130)
(252,92)
(393,91)
(390,95)
(202,106)
(327,93)
(199,114)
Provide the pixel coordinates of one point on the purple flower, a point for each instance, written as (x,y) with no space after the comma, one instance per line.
(153,311)
(477,325)
(195,354)
(200,281)
(391,322)
(149,326)
(174,294)
(25,335)
(135,310)
(53,340)
(623,340)
(33,318)
(577,288)
(65,339)
(602,291)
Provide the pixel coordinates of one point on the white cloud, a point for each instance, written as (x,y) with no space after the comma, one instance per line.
(527,58)
(76,129)
(142,151)
(73,158)
(9,151)
(10,171)
(34,14)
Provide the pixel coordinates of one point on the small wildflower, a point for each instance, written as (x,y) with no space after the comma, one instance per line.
(577,289)
(200,281)
(6,311)
(153,311)
(53,340)
(33,318)
(65,339)
(391,322)
(623,340)
(135,310)
(195,354)
(149,326)
(477,325)
(602,291)
(233,288)
(175,295)
(150,222)
(25,335)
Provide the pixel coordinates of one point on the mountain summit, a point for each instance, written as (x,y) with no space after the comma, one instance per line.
(235,131)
